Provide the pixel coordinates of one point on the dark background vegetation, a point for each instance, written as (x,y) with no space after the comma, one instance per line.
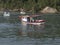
(29,5)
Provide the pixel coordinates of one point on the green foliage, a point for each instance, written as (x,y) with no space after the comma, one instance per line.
(34,5)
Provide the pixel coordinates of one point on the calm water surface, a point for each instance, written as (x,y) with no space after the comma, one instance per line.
(12,32)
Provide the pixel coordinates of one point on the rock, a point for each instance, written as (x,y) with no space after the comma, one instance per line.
(49,10)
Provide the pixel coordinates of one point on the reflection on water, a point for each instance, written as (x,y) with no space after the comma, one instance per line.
(27,30)
(12,32)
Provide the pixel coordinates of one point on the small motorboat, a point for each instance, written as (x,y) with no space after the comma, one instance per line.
(6,14)
(29,20)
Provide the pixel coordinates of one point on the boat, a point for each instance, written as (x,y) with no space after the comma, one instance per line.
(29,20)
(6,14)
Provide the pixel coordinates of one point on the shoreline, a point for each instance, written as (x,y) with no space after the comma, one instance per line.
(18,10)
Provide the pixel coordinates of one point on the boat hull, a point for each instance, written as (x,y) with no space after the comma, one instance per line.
(33,23)
(36,23)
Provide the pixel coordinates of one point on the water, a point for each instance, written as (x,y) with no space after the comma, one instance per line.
(12,32)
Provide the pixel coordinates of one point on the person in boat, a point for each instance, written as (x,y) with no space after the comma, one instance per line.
(32,20)
(28,19)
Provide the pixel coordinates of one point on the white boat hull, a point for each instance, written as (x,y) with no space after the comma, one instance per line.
(33,23)
(37,23)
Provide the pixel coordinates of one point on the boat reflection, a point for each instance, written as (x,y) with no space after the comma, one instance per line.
(31,30)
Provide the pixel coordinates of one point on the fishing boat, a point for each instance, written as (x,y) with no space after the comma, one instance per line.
(29,20)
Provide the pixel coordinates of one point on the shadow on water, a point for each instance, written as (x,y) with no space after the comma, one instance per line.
(12,32)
